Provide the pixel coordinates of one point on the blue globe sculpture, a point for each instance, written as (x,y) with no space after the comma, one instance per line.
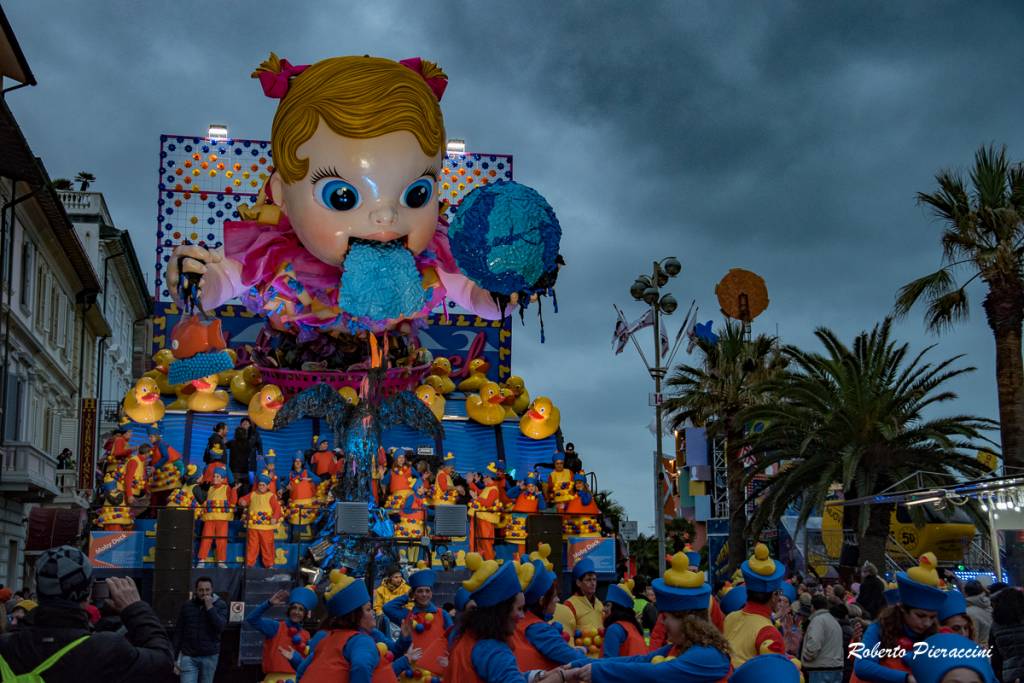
(505,237)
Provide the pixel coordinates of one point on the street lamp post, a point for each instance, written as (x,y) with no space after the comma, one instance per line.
(648,290)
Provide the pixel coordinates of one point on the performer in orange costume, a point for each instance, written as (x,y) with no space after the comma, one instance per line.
(444,485)
(486,509)
(218,510)
(262,519)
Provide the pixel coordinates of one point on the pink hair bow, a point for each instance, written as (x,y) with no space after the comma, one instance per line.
(436,83)
(275,84)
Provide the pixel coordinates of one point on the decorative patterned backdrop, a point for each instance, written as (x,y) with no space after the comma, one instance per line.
(202,182)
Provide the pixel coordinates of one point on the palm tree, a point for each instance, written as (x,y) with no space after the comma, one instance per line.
(855,416)
(84,178)
(609,507)
(61,184)
(983,231)
(644,551)
(714,395)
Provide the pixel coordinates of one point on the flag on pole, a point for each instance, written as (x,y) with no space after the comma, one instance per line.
(665,348)
(692,334)
(623,331)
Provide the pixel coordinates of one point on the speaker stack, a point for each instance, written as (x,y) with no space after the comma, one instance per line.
(172,568)
(546,528)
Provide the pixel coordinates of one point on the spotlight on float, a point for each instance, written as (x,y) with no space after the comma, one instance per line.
(456,146)
(218,132)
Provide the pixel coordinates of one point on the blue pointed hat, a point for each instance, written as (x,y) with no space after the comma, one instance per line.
(424,578)
(461,598)
(582,568)
(919,586)
(789,590)
(761,573)
(954,604)
(681,589)
(773,667)
(540,584)
(345,594)
(621,594)
(948,651)
(492,583)
(892,594)
(304,596)
(734,600)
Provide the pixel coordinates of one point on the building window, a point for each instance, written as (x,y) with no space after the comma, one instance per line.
(40,293)
(26,275)
(54,313)
(14,408)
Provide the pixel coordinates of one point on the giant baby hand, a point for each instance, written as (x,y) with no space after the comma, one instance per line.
(220,277)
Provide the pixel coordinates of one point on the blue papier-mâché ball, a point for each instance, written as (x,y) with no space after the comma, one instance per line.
(504,237)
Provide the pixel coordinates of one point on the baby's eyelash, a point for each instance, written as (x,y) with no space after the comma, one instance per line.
(322,173)
(432,172)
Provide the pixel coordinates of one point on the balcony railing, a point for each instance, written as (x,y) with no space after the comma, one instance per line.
(80,202)
(70,494)
(28,472)
(110,412)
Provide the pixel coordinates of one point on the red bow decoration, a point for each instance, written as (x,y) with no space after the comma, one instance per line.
(275,84)
(436,83)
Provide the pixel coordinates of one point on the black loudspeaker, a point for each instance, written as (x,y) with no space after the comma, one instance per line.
(546,528)
(848,555)
(351,518)
(172,565)
(450,521)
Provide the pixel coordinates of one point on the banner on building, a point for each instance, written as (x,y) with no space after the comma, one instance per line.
(87,444)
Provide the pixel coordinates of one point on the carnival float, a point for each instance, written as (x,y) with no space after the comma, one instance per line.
(348,288)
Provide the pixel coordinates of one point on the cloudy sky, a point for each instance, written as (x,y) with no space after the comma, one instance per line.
(786,138)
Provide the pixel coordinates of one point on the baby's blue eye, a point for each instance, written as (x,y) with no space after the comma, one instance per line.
(335,194)
(419,193)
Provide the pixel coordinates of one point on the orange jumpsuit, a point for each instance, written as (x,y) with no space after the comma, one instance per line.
(218,510)
(261,519)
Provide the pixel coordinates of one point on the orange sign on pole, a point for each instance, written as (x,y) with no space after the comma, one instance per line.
(87,444)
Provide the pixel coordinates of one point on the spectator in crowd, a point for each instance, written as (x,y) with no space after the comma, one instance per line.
(650,613)
(59,634)
(244,448)
(573,463)
(391,587)
(64,460)
(823,653)
(217,438)
(1006,637)
(871,597)
(979,608)
(201,621)
(21,610)
(841,612)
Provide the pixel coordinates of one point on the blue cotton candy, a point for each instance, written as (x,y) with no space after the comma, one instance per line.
(381,282)
(505,237)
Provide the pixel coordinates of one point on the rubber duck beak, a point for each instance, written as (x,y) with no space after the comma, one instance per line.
(535,415)
(497,398)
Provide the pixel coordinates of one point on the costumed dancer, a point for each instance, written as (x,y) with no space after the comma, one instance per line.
(587,611)
(286,634)
(218,510)
(659,637)
(188,496)
(444,484)
(262,517)
(113,514)
(399,481)
(953,616)
(910,621)
(623,636)
(134,478)
(412,515)
(583,512)
(560,488)
(483,653)
(302,486)
(526,500)
(750,631)
(952,658)
(538,644)
(168,469)
(696,653)
(344,649)
(118,450)
(486,509)
(428,624)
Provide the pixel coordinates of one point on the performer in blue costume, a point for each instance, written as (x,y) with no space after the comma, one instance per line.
(771,668)
(696,653)
(538,644)
(902,625)
(952,657)
(287,633)
(427,624)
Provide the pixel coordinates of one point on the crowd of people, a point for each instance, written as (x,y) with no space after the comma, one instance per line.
(240,481)
(507,624)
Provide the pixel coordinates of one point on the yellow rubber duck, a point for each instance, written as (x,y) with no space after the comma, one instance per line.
(142,402)
(680,575)
(485,407)
(517,386)
(478,368)
(431,399)
(162,360)
(507,399)
(542,553)
(541,420)
(349,395)
(442,369)
(246,383)
(480,569)
(761,562)
(224,378)
(207,398)
(926,572)
(264,406)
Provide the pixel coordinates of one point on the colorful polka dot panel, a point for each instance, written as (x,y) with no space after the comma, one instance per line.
(202,182)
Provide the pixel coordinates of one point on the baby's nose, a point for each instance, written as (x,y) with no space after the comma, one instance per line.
(385,215)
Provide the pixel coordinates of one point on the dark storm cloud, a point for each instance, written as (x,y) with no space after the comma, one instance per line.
(787,138)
